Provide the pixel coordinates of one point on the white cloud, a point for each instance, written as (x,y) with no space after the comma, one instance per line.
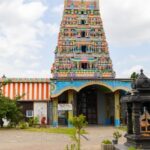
(126,21)
(126,73)
(22,33)
(58,9)
(129,71)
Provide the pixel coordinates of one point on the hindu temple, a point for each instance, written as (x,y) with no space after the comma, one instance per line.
(83,80)
(83,75)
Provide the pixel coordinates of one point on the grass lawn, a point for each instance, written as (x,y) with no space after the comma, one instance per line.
(123,128)
(59,130)
(68,131)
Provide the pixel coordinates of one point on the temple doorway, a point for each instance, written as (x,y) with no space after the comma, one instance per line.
(87,104)
(97,104)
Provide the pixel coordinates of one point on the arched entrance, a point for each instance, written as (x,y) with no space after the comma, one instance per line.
(99,102)
(96,103)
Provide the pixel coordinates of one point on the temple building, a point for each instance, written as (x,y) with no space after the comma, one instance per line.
(83,74)
(83,80)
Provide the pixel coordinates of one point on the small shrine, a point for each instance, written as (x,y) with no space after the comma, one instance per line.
(138,113)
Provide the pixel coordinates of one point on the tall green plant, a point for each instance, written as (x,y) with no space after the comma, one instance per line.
(33,121)
(79,123)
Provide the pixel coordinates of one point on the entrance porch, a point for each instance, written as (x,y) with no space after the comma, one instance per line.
(99,103)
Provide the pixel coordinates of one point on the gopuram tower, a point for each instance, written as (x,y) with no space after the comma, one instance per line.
(82,50)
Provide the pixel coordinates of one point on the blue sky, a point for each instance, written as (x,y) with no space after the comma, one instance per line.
(29,29)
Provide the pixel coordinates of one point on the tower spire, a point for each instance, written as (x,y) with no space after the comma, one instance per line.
(82,50)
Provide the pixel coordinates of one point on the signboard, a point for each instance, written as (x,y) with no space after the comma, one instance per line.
(64,107)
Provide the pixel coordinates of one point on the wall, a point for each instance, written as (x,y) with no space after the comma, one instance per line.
(40,110)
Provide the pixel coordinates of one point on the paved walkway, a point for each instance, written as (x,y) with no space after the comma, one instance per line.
(24,140)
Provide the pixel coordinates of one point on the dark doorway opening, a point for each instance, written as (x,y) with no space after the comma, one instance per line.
(84,65)
(83,22)
(83,48)
(83,34)
(82,12)
(87,104)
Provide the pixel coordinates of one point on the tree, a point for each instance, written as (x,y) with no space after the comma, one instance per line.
(79,123)
(134,75)
(9,109)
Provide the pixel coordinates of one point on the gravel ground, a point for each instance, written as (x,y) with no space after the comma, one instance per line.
(25,140)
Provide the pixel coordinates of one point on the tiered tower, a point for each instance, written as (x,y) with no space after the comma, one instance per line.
(82,50)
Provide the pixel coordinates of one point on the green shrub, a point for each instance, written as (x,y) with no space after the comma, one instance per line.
(117,135)
(23,125)
(36,120)
(33,121)
(132,148)
(106,141)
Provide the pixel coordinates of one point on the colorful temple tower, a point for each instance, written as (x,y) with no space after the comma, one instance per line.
(82,50)
(83,79)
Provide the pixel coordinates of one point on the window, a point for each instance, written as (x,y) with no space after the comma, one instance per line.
(29,113)
(82,12)
(83,22)
(84,65)
(83,34)
(83,48)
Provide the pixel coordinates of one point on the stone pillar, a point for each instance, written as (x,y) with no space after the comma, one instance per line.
(129,119)
(117,109)
(50,112)
(136,118)
(107,109)
(70,101)
(55,112)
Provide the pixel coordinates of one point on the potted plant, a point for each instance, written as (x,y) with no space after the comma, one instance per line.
(116,136)
(107,145)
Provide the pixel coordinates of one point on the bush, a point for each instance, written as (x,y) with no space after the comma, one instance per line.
(106,141)
(131,148)
(23,125)
(33,121)
(117,135)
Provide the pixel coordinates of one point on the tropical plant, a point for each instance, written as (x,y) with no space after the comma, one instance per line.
(117,135)
(23,125)
(107,144)
(33,121)
(10,110)
(106,141)
(79,123)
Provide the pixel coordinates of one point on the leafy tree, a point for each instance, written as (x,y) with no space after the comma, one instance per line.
(79,123)
(134,75)
(9,109)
